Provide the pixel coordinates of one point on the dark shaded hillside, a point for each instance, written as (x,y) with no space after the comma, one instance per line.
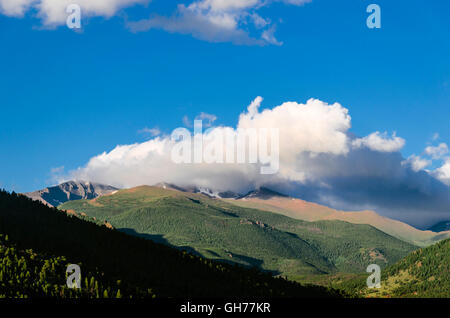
(138,263)
(27,274)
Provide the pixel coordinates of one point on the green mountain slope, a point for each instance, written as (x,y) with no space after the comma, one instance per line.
(423,273)
(219,230)
(136,266)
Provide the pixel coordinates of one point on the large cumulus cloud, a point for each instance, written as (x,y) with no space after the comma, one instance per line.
(320,160)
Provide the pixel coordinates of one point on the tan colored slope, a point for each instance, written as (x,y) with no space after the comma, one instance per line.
(307,211)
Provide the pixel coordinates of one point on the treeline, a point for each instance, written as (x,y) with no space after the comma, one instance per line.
(115,261)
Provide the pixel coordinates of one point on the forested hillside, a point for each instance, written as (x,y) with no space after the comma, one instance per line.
(423,273)
(106,256)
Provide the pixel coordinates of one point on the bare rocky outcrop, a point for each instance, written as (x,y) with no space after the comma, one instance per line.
(69,191)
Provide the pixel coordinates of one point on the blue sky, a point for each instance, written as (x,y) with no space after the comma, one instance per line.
(67,96)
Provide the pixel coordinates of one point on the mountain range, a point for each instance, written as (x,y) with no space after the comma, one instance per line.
(268,200)
(216,229)
(263,229)
(263,199)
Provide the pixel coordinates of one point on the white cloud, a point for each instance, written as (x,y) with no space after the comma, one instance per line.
(435,136)
(187,121)
(315,127)
(15,8)
(152,132)
(434,154)
(203,24)
(269,36)
(210,20)
(437,152)
(57,170)
(259,21)
(305,129)
(417,163)
(252,109)
(380,142)
(443,172)
(207,119)
(218,21)
(53,12)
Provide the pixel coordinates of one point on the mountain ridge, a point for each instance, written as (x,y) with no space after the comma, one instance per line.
(262,198)
(216,229)
(69,191)
(308,211)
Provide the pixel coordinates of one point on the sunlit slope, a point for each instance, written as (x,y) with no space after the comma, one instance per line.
(423,273)
(303,210)
(219,230)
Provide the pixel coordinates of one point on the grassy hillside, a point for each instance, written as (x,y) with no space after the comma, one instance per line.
(219,230)
(136,266)
(423,273)
(308,211)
